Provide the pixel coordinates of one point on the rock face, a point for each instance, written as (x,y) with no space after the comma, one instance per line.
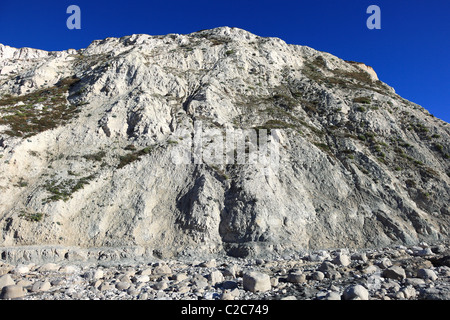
(294,277)
(92,142)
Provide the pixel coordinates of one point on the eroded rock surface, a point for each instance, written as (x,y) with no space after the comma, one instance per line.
(90,145)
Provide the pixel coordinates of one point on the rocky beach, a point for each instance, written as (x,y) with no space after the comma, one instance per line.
(392,273)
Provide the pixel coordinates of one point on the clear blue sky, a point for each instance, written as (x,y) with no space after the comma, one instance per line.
(411,52)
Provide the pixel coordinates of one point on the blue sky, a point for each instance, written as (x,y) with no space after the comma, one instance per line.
(411,51)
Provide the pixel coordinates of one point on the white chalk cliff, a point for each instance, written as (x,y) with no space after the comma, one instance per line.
(87,139)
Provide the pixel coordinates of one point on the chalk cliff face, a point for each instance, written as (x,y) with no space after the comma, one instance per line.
(89,142)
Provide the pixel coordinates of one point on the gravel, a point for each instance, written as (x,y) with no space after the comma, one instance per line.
(393,273)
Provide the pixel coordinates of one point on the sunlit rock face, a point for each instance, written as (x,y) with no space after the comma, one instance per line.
(97,148)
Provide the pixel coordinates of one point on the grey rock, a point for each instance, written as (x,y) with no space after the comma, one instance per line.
(5,267)
(94,275)
(333,275)
(399,295)
(209,264)
(391,285)
(183,288)
(12,292)
(105,286)
(199,281)
(333,295)
(360,256)
(444,271)
(230,271)
(342,260)
(440,292)
(160,285)
(132,291)
(256,282)
(122,285)
(6,280)
(355,292)
(69,269)
(327,266)
(162,270)
(21,269)
(180,277)
(384,263)
(415,281)
(317,275)
(49,267)
(211,296)
(427,274)
(394,272)
(274,282)
(227,295)
(25,283)
(371,269)
(141,278)
(424,252)
(438,249)
(235,292)
(259,262)
(145,272)
(289,298)
(319,256)
(143,296)
(409,292)
(215,277)
(296,277)
(124,278)
(41,286)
